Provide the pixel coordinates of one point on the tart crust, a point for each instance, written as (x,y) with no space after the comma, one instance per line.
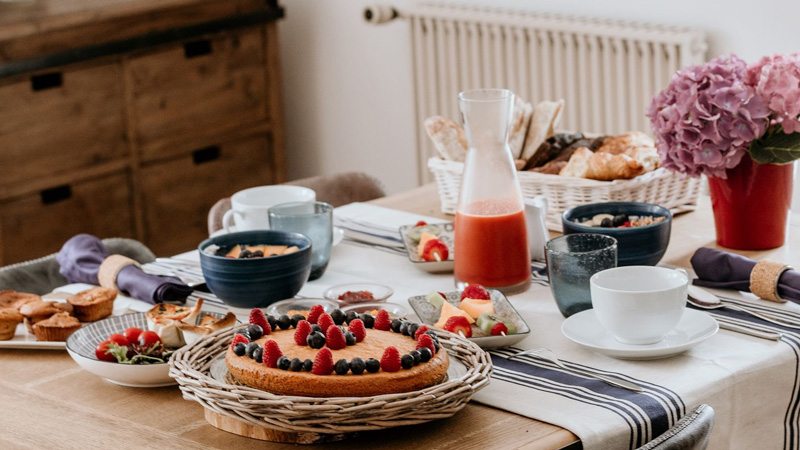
(56,328)
(9,319)
(93,304)
(285,382)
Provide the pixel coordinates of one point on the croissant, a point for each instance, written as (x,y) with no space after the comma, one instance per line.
(601,166)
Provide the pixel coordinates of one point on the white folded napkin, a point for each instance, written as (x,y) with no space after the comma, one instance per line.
(375,224)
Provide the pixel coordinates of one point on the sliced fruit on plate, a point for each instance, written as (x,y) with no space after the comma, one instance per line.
(475,307)
(424,237)
(448,311)
(499,329)
(458,325)
(435,250)
(437,299)
(487,321)
(475,291)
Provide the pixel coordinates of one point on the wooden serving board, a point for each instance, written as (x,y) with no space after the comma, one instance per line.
(240,428)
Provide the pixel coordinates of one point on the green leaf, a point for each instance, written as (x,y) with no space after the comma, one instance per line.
(776,148)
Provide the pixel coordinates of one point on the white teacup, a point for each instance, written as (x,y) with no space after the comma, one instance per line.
(250,207)
(639,304)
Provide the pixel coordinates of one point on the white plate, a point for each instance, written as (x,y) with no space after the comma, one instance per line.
(338,234)
(446,235)
(694,327)
(24,340)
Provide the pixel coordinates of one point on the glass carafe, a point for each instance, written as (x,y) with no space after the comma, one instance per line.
(491,242)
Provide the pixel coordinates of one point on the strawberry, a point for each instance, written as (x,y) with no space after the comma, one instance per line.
(475,291)
(302,332)
(435,250)
(324,322)
(323,363)
(421,330)
(271,353)
(334,338)
(425,340)
(257,318)
(421,223)
(357,328)
(458,325)
(499,329)
(239,338)
(314,313)
(382,321)
(390,361)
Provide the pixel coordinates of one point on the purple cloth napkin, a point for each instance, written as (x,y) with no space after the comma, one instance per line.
(723,270)
(80,259)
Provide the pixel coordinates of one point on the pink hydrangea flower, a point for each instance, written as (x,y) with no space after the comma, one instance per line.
(776,80)
(706,118)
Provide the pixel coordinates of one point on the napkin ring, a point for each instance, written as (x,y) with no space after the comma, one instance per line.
(764,280)
(110,268)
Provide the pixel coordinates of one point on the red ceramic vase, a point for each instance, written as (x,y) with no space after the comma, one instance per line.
(751,206)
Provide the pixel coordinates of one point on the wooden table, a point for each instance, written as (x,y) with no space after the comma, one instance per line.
(47,401)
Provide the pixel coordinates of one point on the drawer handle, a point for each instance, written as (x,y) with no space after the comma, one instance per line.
(56,194)
(46,81)
(205,155)
(197,48)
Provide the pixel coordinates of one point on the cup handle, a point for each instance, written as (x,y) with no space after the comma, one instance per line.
(226,219)
(684,272)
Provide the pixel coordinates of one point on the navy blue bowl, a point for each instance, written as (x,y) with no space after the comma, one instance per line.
(639,246)
(256,282)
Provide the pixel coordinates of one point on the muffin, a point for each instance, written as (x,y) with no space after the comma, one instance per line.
(93,304)
(57,327)
(14,299)
(9,319)
(37,311)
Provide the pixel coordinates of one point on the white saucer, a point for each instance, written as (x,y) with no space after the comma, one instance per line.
(338,234)
(694,327)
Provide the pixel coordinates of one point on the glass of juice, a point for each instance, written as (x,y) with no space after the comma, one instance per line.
(491,242)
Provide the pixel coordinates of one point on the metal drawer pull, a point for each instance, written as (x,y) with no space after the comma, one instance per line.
(46,81)
(56,194)
(205,155)
(197,48)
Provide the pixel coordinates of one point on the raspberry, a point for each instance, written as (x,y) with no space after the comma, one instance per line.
(390,361)
(421,330)
(257,318)
(382,321)
(314,313)
(302,332)
(271,353)
(425,341)
(334,338)
(499,329)
(323,363)
(358,330)
(324,321)
(239,338)
(475,291)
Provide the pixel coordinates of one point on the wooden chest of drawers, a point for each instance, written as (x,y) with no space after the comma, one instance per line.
(131,118)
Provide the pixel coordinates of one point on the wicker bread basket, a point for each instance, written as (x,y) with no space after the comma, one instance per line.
(192,366)
(662,187)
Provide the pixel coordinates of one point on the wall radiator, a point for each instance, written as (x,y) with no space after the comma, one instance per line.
(605,70)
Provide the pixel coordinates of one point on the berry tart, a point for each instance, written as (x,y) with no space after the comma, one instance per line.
(336,355)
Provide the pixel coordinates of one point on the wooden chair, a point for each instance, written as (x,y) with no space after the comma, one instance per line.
(339,189)
(692,432)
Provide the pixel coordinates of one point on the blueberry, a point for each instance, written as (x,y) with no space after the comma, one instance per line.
(255,332)
(338,316)
(606,223)
(258,355)
(316,327)
(297,318)
(316,340)
(251,347)
(412,329)
(258,254)
(404,328)
(284,363)
(619,220)
(239,349)
(244,333)
(284,322)
(368,320)
(350,338)
(373,365)
(307,365)
(350,316)
(341,367)
(417,357)
(425,354)
(357,365)
(296,365)
(396,325)
(272,322)
(407,361)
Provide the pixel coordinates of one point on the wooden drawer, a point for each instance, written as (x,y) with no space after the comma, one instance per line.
(178,194)
(197,89)
(60,121)
(37,225)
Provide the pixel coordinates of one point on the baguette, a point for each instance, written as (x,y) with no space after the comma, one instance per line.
(448,138)
(520,122)
(546,116)
(601,166)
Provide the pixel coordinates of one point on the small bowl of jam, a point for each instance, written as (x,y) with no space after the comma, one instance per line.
(351,294)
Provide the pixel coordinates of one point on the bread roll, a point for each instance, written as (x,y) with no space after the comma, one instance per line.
(618,144)
(601,166)
(546,116)
(551,168)
(448,138)
(520,122)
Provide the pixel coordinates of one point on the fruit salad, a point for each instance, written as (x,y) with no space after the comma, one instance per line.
(429,246)
(475,308)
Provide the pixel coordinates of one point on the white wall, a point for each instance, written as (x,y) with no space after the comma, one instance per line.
(348,92)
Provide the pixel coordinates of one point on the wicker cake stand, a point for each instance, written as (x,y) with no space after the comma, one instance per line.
(258,414)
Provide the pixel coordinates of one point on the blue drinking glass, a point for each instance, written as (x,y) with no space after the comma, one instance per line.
(313,219)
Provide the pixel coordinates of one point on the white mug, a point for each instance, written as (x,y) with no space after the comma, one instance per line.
(250,207)
(536,220)
(639,304)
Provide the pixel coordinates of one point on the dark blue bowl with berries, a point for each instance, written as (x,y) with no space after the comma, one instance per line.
(255,281)
(642,230)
